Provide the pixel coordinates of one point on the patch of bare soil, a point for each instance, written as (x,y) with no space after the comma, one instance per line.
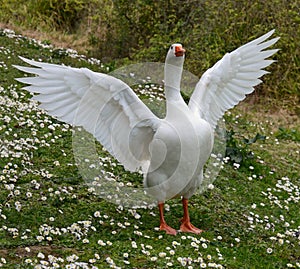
(279,114)
(57,39)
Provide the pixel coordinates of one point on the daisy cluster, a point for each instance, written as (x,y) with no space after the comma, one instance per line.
(170,255)
(152,95)
(151,90)
(22,133)
(43,45)
(281,229)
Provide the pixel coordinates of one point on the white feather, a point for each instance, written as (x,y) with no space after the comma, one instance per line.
(231,78)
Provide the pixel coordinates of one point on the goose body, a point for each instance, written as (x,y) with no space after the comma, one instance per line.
(179,150)
(172,151)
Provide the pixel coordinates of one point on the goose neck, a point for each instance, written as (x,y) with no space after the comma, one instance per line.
(172,82)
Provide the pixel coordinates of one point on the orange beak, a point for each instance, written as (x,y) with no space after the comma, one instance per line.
(179,51)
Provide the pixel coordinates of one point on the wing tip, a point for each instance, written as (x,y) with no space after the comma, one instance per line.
(24,59)
(31,62)
(19,67)
(268,34)
(271,32)
(23,80)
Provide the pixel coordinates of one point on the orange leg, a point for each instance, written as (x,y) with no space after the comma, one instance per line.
(163,225)
(186,225)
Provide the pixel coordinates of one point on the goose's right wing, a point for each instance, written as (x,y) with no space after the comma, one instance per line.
(104,106)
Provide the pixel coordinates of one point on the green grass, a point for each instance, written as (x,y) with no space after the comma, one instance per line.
(48,213)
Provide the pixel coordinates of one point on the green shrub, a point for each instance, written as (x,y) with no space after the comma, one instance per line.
(63,15)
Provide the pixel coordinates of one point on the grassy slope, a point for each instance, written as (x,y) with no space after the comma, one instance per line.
(47,211)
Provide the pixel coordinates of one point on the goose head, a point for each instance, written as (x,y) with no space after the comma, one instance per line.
(173,71)
(175,55)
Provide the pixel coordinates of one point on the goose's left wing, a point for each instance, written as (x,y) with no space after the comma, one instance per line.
(233,77)
(104,106)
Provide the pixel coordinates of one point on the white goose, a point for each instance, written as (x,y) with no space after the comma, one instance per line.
(173,149)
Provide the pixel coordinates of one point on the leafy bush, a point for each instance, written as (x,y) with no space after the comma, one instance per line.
(238,149)
(63,15)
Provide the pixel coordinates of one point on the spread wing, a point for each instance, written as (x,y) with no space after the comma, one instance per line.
(226,84)
(103,105)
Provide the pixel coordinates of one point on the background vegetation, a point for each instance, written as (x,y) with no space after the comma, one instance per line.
(142,30)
